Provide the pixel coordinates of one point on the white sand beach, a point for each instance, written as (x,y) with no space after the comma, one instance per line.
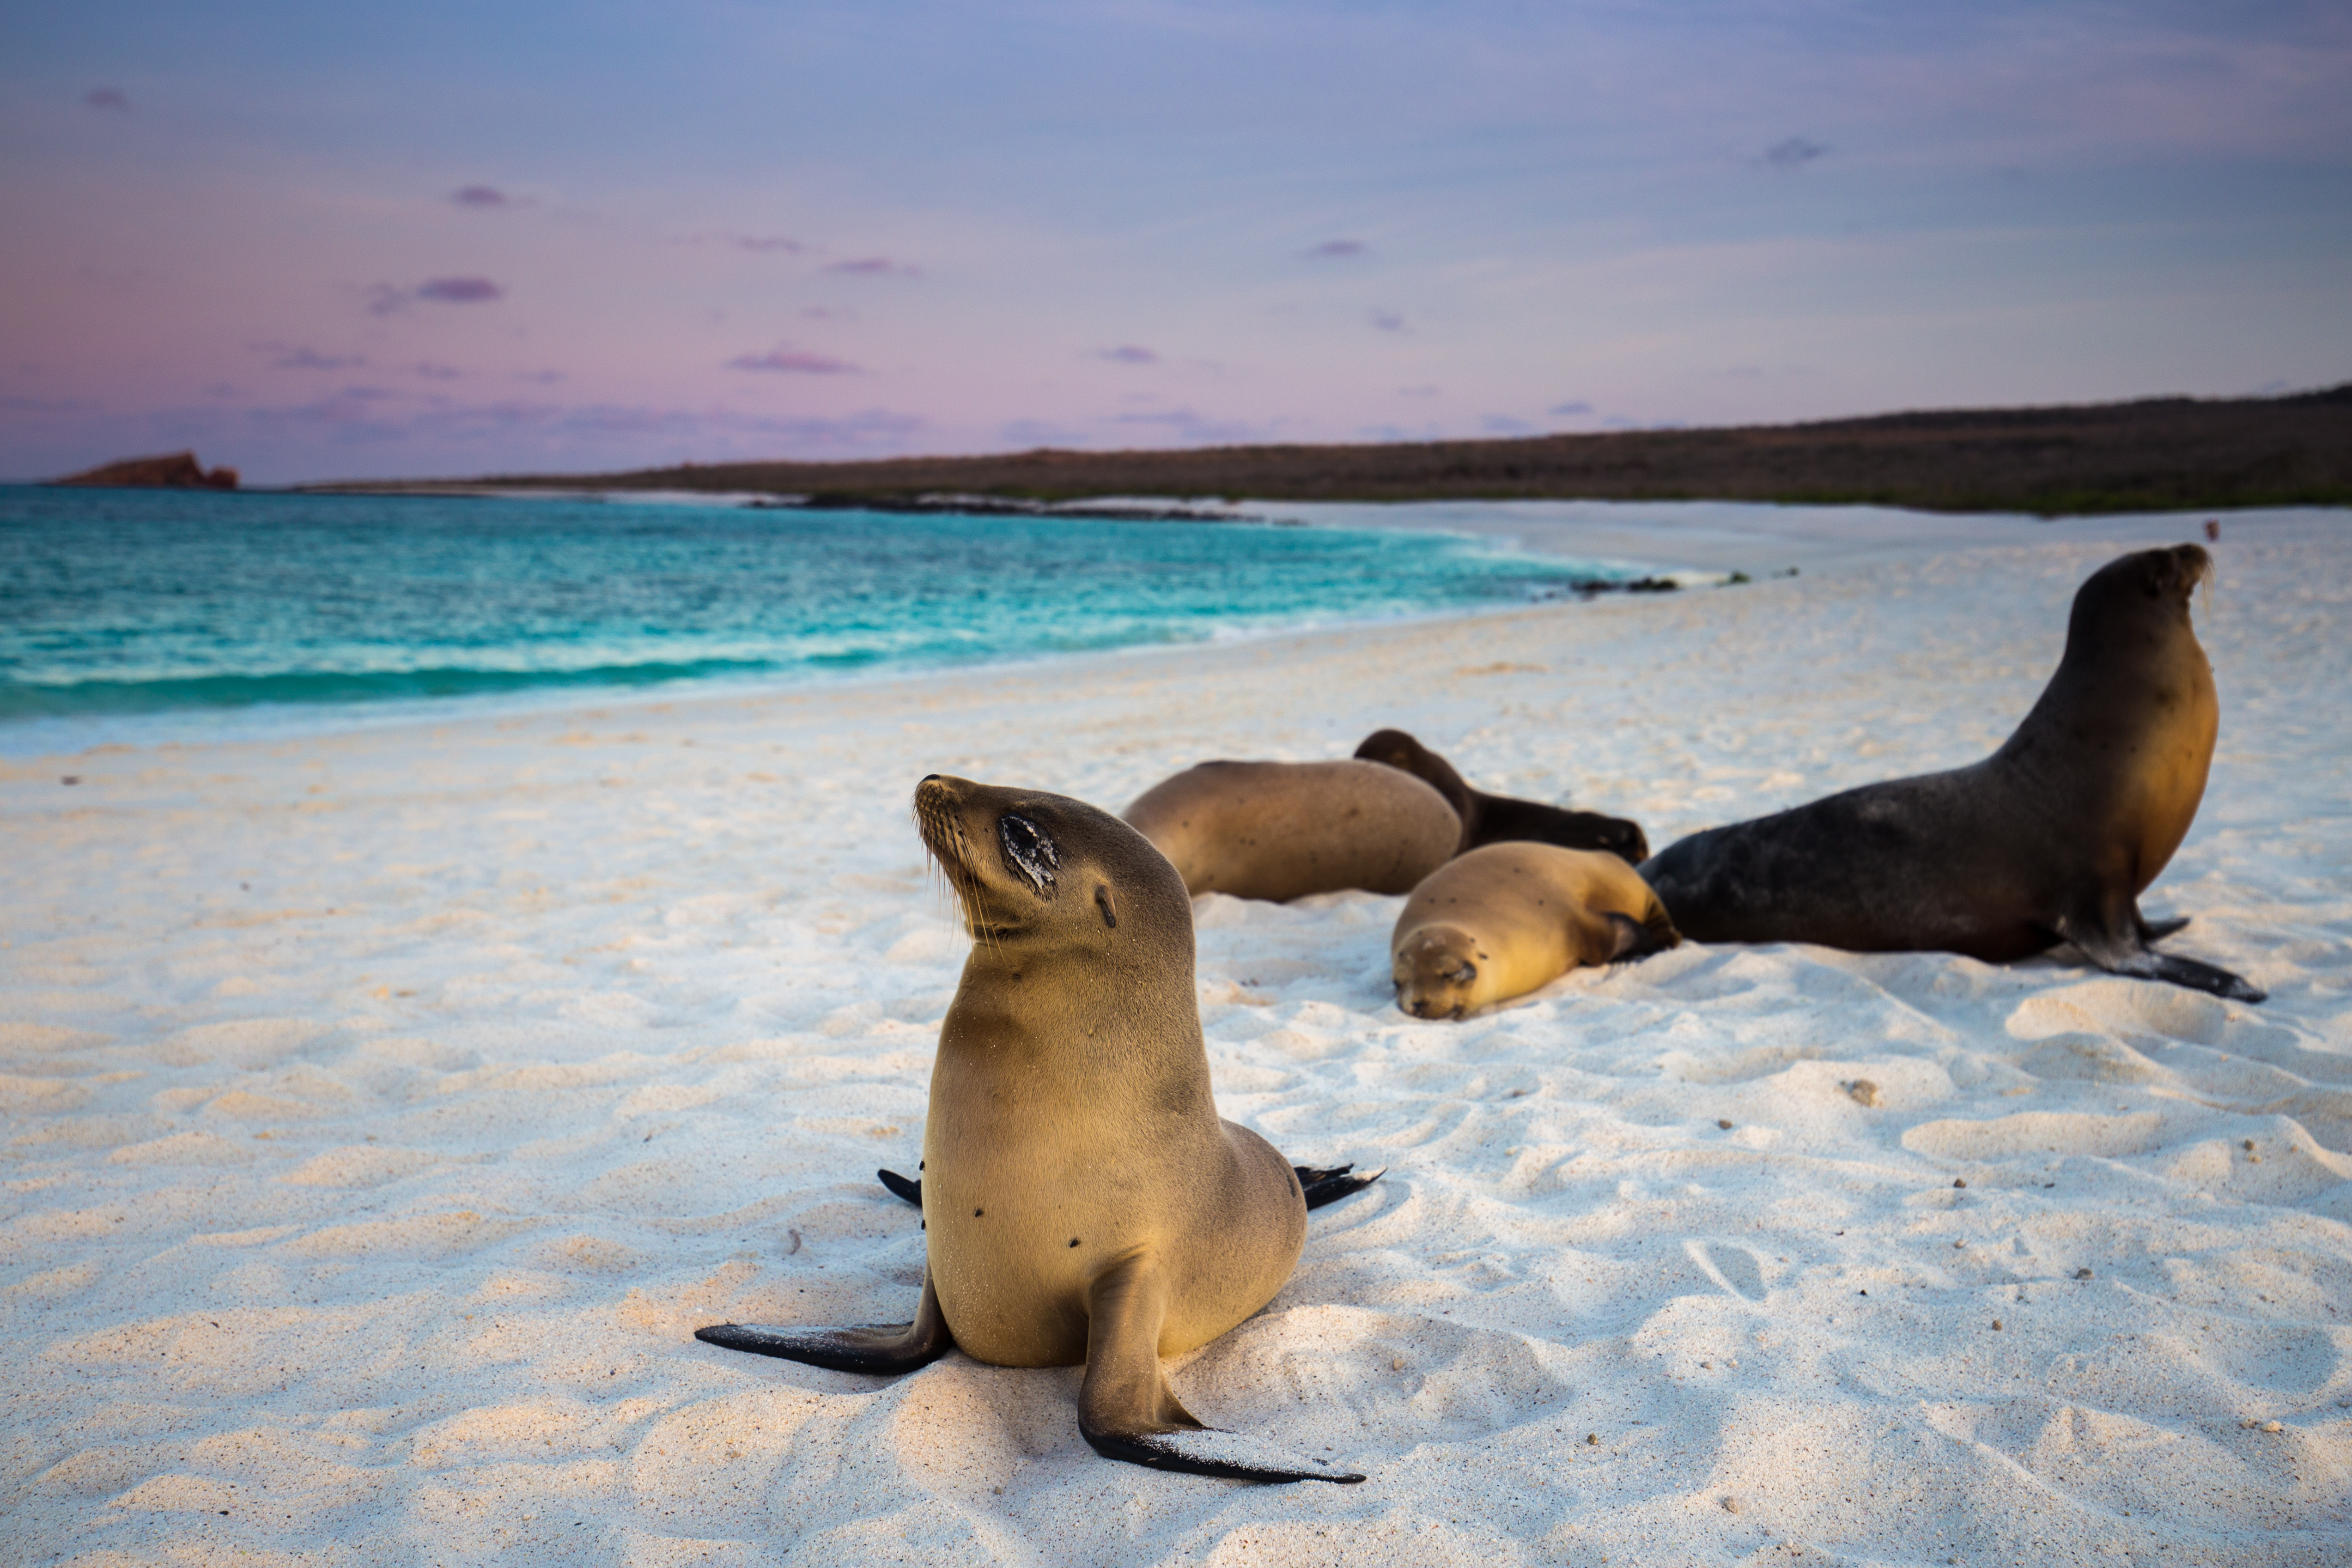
(383,1110)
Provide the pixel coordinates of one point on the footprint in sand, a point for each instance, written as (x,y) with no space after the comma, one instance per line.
(1736,1268)
(2108,1006)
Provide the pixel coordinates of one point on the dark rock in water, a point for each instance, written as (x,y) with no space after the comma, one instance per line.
(1585,587)
(178,471)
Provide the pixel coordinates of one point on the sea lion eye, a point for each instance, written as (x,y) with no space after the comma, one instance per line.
(1027,850)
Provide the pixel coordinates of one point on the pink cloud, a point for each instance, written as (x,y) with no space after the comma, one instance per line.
(110,98)
(307,358)
(757,244)
(1130,354)
(460,291)
(1334,249)
(874,267)
(480,196)
(793,362)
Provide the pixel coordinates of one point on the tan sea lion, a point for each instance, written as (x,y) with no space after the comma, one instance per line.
(1082,1201)
(1497,818)
(1283,830)
(2049,840)
(1506,918)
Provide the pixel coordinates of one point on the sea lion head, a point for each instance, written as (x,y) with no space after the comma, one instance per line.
(2135,595)
(1026,866)
(1436,973)
(1395,749)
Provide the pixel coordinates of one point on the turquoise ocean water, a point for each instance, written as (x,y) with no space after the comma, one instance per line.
(148,616)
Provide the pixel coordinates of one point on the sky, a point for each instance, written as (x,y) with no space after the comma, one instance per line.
(317,242)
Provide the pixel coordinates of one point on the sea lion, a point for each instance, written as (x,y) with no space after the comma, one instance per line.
(1506,918)
(2049,840)
(1496,818)
(1283,830)
(1082,1201)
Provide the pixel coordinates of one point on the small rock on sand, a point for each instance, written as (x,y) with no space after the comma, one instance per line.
(1864,1092)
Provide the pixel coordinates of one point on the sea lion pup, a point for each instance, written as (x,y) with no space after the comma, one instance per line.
(1283,830)
(1082,1201)
(1499,819)
(1506,918)
(2049,840)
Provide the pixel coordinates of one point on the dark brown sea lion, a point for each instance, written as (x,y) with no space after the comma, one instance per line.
(1082,1201)
(2049,840)
(1506,918)
(1283,830)
(1494,818)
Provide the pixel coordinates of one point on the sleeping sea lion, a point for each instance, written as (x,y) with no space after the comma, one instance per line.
(1283,830)
(1082,1201)
(1505,919)
(1496,818)
(2049,840)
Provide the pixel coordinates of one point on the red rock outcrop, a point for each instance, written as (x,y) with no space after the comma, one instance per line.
(178,471)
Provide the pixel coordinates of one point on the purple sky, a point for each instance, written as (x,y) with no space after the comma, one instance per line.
(443,240)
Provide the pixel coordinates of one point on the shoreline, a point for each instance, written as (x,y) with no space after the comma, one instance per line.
(1700,540)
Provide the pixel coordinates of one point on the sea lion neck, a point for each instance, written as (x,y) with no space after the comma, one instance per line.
(2133,675)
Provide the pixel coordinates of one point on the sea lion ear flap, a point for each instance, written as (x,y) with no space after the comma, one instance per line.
(1103,902)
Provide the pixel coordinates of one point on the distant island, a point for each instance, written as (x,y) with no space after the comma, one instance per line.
(2168,454)
(173,471)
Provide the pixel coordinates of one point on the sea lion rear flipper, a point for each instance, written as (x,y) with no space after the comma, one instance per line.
(907,1187)
(881,1348)
(2119,955)
(2199,975)
(1330,1183)
(1126,1411)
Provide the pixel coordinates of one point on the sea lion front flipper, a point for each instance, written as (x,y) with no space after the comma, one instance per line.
(881,1348)
(1126,1411)
(2156,931)
(908,1187)
(1328,1184)
(1632,939)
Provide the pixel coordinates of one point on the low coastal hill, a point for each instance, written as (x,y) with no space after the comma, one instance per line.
(2156,455)
(172,471)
